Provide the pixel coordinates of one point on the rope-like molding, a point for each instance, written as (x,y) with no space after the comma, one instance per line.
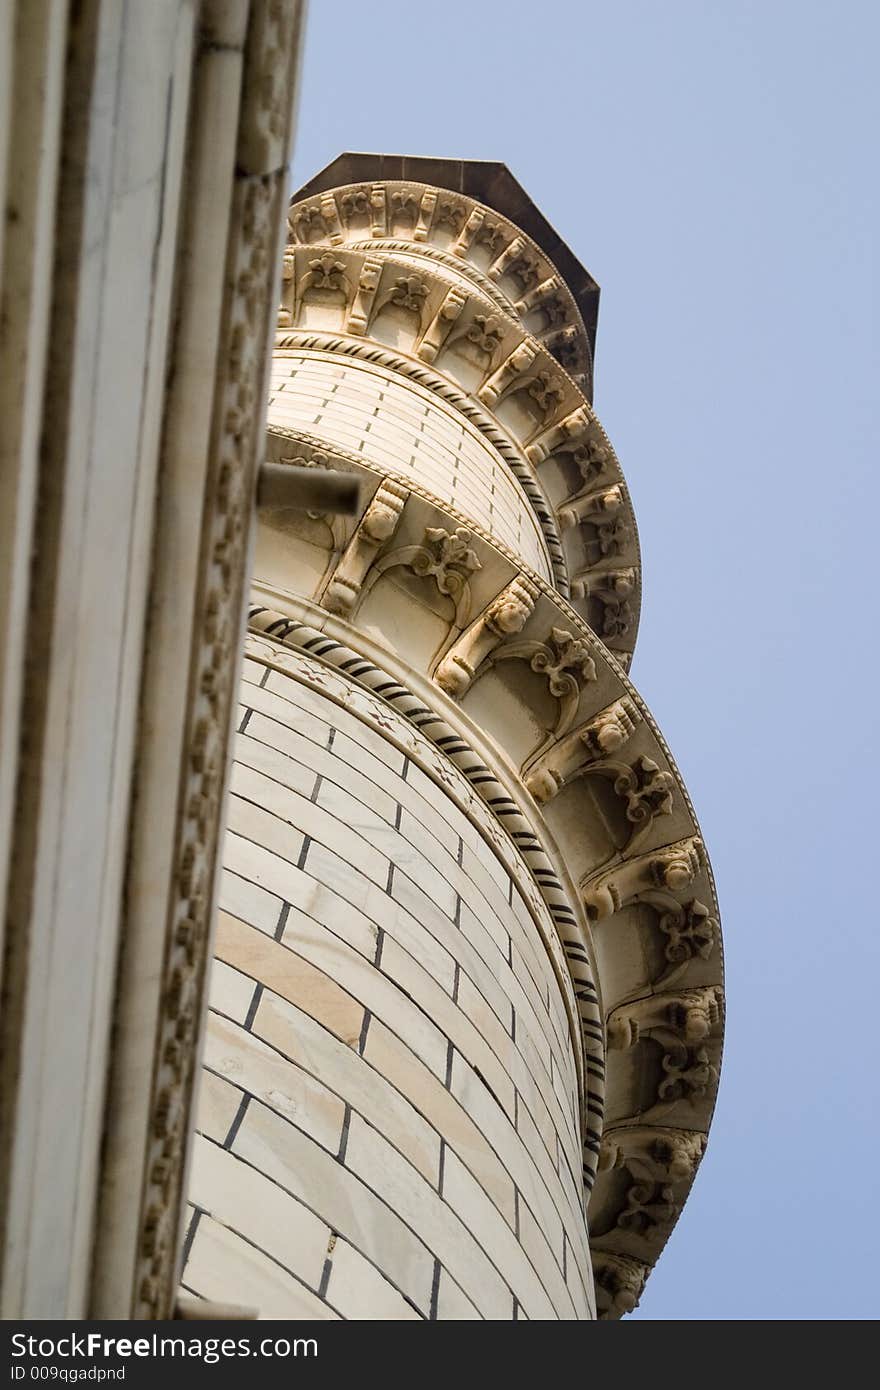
(456,397)
(448,741)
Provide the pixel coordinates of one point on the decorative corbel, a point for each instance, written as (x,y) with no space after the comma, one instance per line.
(407,292)
(537,298)
(653,1152)
(689,928)
(325,272)
(355,203)
(594,458)
(570,756)
(560,340)
(680,1025)
(499,382)
(590,506)
(438,329)
(362,304)
(426,213)
(376,526)
(612,589)
(484,332)
(378,210)
(491,234)
(525,269)
(546,391)
(450,213)
(566,434)
(303,218)
(446,557)
(619,1283)
(688,1016)
(505,616)
(404,205)
(330,214)
(511,253)
(466,236)
(672,868)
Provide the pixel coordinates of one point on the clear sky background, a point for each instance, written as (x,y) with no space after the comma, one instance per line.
(714,163)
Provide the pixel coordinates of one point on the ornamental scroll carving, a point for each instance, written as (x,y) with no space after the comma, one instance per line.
(407,292)
(567,664)
(645,788)
(447,557)
(688,1016)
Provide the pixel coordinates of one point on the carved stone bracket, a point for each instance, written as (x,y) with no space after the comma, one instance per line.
(502,380)
(440,326)
(362,305)
(544,294)
(378,210)
(680,1025)
(407,292)
(619,1283)
(466,236)
(504,616)
(592,505)
(376,526)
(576,752)
(688,1016)
(673,868)
(653,1152)
(325,272)
(614,589)
(566,434)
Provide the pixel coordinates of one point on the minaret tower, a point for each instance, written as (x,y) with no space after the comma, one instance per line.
(466,1007)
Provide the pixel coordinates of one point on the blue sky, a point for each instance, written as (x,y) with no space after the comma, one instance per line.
(714,164)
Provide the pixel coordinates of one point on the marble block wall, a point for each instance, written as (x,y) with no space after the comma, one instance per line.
(388,1123)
